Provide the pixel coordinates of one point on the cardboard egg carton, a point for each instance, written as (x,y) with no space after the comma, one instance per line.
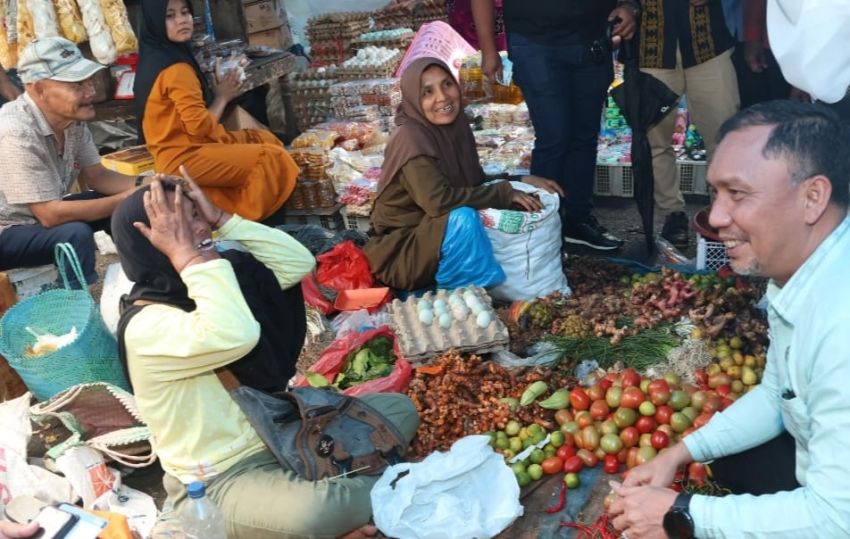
(420,341)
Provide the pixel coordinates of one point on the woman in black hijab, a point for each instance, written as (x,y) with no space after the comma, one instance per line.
(280,313)
(246,171)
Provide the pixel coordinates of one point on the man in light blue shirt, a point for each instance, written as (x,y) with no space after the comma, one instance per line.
(781,175)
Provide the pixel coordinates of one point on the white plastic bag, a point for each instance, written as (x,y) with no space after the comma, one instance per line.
(528,247)
(17,476)
(810,46)
(87,471)
(115,285)
(466,492)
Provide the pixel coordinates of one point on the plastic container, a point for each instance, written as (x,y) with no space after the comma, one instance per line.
(361,298)
(200,518)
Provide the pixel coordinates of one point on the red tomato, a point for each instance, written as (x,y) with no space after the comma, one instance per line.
(621,456)
(579,399)
(563,416)
(723,390)
(701,377)
(702,419)
(630,436)
(587,457)
(659,384)
(632,397)
(697,472)
(596,392)
(611,464)
(663,413)
(584,419)
(605,383)
(599,410)
(565,451)
(552,465)
(659,439)
(590,437)
(631,458)
(726,402)
(573,464)
(645,424)
(630,378)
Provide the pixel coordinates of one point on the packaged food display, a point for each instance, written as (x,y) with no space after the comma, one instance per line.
(100,37)
(409,14)
(70,21)
(312,161)
(8,46)
(130,161)
(325,193)
(394,38)
(371,62)
(43,18)
(316,138)
(311,96)
(115,15)
(24,25)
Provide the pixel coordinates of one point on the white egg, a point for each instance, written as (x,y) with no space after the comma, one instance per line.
(439,303)
(460,312)
(468,295)
(445,320)
(426,316)
(476,309)
(423,304)
(471,302)
(483,319)
(440,309)
(454,299)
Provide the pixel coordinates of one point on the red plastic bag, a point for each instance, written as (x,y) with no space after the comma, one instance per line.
(344,267)
(313,295)
(334,357)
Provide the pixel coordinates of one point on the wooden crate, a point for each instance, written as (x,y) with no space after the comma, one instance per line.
(11,385)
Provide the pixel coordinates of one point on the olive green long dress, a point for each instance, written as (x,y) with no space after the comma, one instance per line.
(409,222)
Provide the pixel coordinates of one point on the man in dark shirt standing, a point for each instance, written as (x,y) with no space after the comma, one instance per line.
(564,70)
(686,45)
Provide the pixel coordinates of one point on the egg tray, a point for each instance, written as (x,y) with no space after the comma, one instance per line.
(420,342)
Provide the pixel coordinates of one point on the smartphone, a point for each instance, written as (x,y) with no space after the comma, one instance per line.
(88,526)
(55,523)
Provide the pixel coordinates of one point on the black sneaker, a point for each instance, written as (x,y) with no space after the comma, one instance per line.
(676,230)
(592,234)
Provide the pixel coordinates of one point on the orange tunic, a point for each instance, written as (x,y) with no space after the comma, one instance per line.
(246,172)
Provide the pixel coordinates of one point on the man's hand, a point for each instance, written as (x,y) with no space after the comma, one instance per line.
(12,530)
(491,66)
(638,512)
(660,471)
(550,186)
(754,56)
(169,230)
(625,29)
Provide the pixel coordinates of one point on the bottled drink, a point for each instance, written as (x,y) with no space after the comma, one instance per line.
(200,518)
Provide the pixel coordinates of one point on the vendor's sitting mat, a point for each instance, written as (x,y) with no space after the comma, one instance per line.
(463,319)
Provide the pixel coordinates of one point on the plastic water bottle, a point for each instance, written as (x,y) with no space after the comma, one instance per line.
(200,518)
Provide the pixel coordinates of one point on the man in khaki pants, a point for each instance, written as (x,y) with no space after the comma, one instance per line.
(686,45)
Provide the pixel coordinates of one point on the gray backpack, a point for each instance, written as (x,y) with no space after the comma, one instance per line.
(318,433)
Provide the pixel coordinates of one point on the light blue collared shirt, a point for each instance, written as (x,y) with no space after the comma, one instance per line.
(805,391)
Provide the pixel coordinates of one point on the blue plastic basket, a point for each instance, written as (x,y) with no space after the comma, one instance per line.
(91,357)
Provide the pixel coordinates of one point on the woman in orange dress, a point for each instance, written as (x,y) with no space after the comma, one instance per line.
(247,171)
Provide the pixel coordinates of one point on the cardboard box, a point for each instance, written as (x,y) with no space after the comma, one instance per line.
(130,161)
(276,38)
(263,15)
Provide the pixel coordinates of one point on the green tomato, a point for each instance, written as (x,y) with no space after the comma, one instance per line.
(537,456)
(523,479)
(535,471)
(572,480)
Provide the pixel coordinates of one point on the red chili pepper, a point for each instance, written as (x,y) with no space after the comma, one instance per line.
(562,500)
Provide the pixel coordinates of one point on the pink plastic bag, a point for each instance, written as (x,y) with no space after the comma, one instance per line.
(334,357)
(344,267)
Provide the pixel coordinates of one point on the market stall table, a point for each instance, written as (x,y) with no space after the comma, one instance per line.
(260,72)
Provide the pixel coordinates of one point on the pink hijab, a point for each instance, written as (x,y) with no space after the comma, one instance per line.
(453,145)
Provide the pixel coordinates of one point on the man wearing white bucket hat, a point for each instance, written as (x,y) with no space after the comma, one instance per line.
(45,146)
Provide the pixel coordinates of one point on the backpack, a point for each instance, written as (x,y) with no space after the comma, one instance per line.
(320,434)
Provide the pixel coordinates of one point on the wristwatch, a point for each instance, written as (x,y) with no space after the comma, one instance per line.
(678,523)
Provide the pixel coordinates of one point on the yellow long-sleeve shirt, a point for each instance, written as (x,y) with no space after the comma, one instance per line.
(199,431)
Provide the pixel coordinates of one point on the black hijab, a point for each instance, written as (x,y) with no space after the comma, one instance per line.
(280,313)
(156,53)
